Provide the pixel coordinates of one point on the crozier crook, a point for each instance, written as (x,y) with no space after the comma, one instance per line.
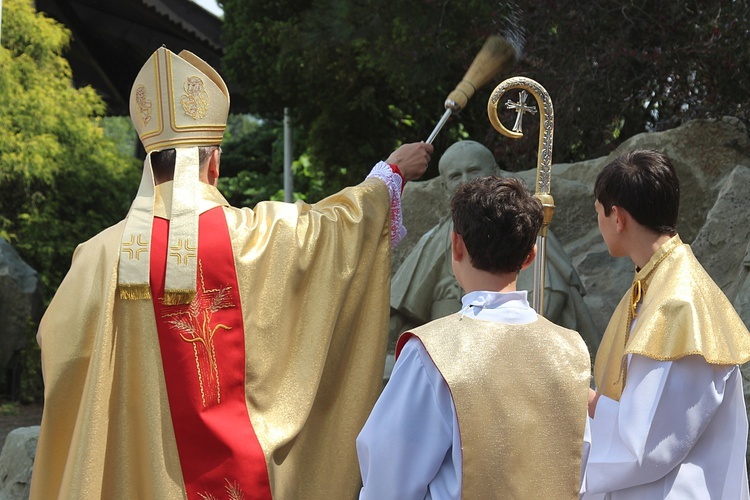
(544,160)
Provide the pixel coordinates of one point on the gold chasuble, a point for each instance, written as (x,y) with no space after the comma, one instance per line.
(278,356)
(521,395)
(682,313)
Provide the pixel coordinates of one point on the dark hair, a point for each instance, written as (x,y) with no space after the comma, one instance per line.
(498,220)
(644,183)
(162,162)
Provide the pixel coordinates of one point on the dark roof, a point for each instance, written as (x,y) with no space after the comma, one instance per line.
(112,39)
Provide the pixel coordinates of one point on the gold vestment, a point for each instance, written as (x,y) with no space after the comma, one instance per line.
(520,393)
(313,283)
(682,313)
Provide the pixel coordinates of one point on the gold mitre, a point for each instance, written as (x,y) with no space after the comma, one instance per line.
(178,101)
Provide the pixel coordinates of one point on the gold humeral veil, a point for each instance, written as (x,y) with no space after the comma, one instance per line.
(682,313)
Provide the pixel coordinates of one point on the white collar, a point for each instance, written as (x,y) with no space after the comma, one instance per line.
(506,307)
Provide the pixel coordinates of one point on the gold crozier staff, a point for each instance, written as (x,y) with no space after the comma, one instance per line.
(544,159)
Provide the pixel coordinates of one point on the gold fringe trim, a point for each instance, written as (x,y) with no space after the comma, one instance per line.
(135,292)
(177,297)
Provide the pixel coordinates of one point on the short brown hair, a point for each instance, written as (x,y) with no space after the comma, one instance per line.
(498,220)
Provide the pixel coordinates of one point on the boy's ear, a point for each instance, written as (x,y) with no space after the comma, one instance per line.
(529,258)
(458,249)
(621,218)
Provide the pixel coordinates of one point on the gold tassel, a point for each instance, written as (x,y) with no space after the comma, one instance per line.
(178,297)
(636,294)
(135,292)
(635,297)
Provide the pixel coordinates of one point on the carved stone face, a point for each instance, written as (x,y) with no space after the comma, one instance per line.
(464,161)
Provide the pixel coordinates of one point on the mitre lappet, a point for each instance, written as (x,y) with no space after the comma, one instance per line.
(177,101)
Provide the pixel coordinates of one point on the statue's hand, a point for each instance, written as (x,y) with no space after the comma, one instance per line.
(412,159)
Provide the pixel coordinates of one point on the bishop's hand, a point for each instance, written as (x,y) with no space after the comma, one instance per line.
(412,159)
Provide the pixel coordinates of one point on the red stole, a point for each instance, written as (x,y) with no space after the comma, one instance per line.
(203,353)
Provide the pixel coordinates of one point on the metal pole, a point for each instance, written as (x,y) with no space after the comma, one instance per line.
(537,300)
(439,125)
(288,175)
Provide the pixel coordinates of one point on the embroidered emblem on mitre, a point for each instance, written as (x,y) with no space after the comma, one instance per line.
(195,99)
(177,101)
(143,103)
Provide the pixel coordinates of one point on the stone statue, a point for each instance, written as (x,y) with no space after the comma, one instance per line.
(424,288)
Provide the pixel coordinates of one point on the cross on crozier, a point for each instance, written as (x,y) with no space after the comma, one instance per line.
(520,108)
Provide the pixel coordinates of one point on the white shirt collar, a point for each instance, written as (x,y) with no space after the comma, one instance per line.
(504,307)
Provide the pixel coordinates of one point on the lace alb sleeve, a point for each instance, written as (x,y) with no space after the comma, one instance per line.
(395,184)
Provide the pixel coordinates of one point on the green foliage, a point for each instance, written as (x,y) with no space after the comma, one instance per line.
(252,164)
(122,133)
(360,77)
(61,179)
(29,367)
(615,69)
(10,408)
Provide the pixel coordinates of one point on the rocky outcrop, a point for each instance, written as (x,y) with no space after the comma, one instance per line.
(20,305)
(721,243)
(17,463)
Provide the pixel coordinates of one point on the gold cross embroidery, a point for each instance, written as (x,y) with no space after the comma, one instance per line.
(195,325)
(183,253)
(128,247)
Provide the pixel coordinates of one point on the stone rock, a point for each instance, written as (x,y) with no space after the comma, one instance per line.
(17,463)
(424,204)
(722,241)
(20,302)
